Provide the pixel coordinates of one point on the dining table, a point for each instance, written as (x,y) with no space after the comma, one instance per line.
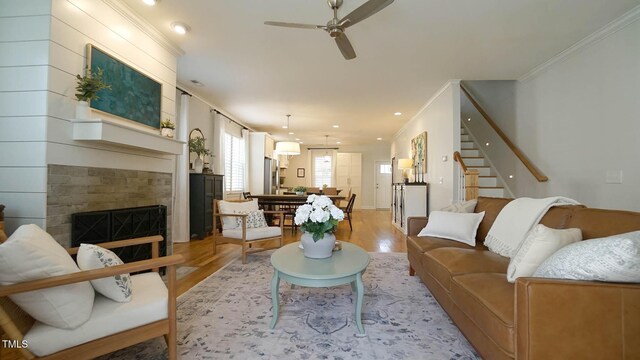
(268,201)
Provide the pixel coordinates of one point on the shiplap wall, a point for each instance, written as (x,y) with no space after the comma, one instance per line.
(42,47)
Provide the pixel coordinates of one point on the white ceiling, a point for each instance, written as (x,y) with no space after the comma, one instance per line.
(406,52)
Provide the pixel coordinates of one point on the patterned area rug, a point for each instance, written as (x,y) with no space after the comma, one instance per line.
(227,316)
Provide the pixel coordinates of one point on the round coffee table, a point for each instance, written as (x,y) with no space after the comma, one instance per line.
(344,267)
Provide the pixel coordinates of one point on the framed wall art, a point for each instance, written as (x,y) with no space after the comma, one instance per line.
(419,152)
(300,172)
(133,95)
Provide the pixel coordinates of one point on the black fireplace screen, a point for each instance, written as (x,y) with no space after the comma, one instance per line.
(96,227)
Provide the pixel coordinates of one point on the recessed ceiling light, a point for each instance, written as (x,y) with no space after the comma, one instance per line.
(338,142)
(290,133)
(150,2)
(336,126)
(379,139)
(180,28)
(285,127)
(397,113)
(297,139)
(301,142)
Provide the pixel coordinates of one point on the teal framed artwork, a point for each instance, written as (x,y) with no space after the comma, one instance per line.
(133,95)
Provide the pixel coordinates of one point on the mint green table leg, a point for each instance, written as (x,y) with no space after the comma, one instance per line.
(353,287)
(360,297)
(275,286)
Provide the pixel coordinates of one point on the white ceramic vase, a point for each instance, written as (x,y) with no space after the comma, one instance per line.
(320,249)
(198,164)
(166,132)
(83,112)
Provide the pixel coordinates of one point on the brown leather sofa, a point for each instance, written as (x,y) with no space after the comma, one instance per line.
(534,318)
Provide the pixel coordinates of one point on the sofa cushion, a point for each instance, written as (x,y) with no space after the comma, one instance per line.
(444,263)
(488,300)
(149,304)
(491,208)
(597,223)
(427,243)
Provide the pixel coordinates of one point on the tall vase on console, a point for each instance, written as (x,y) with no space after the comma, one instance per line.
(318,219)
(198,165)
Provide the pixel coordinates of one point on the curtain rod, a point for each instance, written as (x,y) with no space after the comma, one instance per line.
(323,148)
(230,119)
(184,92)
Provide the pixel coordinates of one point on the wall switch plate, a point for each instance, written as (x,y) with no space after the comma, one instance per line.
(613,177)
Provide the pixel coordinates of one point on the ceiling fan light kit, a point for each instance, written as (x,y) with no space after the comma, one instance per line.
(336,27)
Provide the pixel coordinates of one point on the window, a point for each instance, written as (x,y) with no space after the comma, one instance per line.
(234,159)
(322,170)
(385,169)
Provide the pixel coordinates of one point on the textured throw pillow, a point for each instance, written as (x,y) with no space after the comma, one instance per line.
(465,207)
(460,227)
(614,258)
(118,287)
(235,207)
(255,219)
(30,254)
(540,243)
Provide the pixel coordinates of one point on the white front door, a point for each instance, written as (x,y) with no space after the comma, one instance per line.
(383,184)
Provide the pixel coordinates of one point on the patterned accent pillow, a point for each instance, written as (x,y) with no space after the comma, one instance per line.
(255,219)
(118,287)
(615,258)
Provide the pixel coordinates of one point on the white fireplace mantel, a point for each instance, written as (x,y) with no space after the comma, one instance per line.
(112,133)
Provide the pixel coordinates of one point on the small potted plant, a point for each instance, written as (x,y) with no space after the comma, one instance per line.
(299,190)
(167,127)
(318,218)
(197,145)
(87,88)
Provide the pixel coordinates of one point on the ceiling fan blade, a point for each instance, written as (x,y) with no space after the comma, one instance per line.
(345,47)
(293,25)
(364,11)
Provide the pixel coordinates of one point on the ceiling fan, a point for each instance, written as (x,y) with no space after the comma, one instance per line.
(336,27)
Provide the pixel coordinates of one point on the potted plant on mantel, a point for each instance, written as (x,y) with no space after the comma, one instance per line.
(299,190)
(318,219)
(87,88)
(167,128)
(197,145)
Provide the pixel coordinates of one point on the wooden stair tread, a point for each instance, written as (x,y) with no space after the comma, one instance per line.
(490,187)
(487,176)
(478,166)
(473,157)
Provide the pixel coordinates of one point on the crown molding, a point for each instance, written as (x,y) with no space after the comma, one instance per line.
(127,12)
(444,88)
(611,28)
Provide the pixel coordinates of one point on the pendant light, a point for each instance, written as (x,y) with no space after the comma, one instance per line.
(288,148)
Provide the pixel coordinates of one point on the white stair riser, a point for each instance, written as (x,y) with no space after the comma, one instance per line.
(483,171)
(474,162)
(488,181)
(470,153)
(464,137)
(467,145)
(491,192)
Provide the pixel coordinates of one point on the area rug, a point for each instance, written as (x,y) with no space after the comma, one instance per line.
(227,316)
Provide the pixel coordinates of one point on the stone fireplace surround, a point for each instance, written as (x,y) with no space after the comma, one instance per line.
(72,189)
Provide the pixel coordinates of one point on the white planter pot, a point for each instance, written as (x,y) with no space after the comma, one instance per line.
(83,111)
(299,193)
(198,164)
(166,132)
(320,249)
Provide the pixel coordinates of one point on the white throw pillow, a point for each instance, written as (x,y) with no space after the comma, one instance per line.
(540,243)
(30,254)
(615,258)
(116,288)
(232,207)
(465,207)
(255,219)
(460,227)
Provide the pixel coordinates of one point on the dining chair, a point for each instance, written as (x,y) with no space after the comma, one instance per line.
(344,203)
(330,191)
(349,209)
(313,190)
(246,195)
(242,232)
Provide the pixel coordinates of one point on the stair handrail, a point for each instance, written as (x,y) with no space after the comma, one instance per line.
(469,180)
(523,158)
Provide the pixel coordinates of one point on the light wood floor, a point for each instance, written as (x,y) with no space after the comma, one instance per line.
(372,231)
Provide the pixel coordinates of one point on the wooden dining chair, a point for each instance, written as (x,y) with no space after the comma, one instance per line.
(246,195)
(330,191)
(349,209)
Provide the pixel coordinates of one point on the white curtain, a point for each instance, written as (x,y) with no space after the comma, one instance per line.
(247,171)
(180,206)
(219,125)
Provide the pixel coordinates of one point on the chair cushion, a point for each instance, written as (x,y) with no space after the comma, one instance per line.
(444,263)
(235,207)
(116,288)
(488,300)
(255,219)
(30,254)
(253,234)
(148,304)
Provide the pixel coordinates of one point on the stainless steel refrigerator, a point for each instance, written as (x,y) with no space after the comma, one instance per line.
(271,176)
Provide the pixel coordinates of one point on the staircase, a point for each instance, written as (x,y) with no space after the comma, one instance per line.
(488,182)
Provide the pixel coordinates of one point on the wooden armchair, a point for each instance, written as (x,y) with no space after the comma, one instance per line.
(242,235)
(16,323)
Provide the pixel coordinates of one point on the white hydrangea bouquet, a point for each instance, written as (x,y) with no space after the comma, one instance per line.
(318,216)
